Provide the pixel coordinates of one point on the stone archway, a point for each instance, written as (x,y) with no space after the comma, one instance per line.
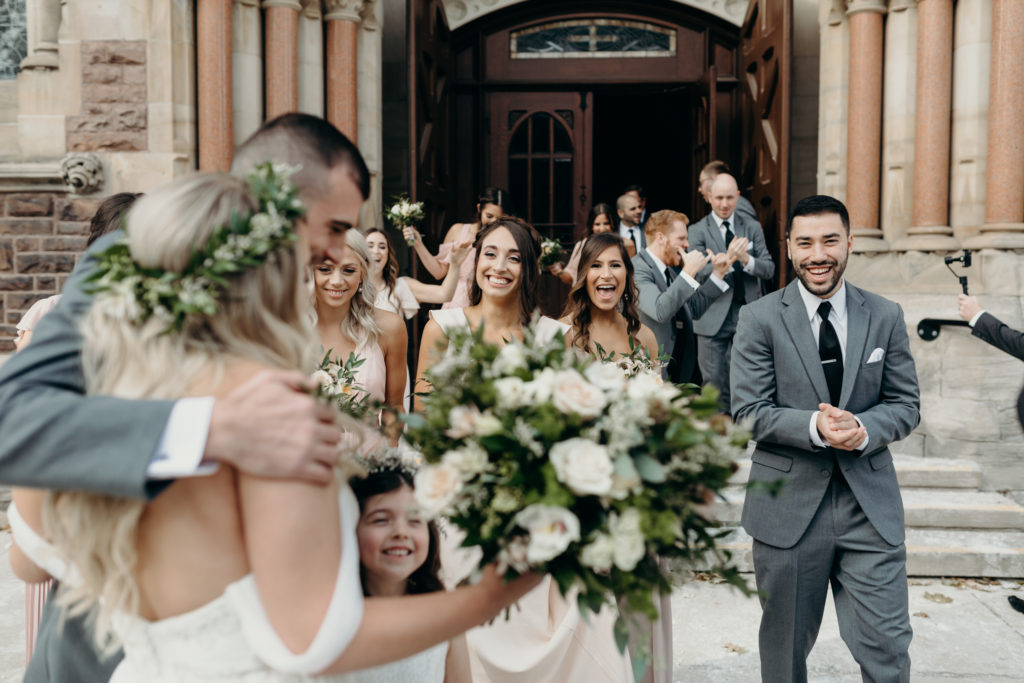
(461,12)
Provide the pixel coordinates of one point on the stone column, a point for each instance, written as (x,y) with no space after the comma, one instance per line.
(833,89)
(865,123)
(311,59)
(931,230)
(44,24)
(972,35)
(215,97)
(1004,177)
(343,18)
(281,22)
(900,75)
(371,137)
(247,53)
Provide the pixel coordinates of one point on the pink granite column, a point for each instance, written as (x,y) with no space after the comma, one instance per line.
(214,105)
(342,17)
(1004,176)
(281,47)
(864,123)
(932,120)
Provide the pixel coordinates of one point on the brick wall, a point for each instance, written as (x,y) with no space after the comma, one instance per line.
(41,236)
(113,114)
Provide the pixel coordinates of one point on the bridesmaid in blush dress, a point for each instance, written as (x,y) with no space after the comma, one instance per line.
(492,204)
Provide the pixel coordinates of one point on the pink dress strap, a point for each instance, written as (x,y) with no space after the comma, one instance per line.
(372,375)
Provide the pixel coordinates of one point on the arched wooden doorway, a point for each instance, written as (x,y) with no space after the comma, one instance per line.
(567,102)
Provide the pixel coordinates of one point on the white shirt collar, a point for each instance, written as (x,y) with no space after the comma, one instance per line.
(657,261)
(812,301)
(719,220)
(624,229)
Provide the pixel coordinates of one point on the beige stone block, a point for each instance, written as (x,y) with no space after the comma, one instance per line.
(160,69)
(160,126)
(185,131)
(247,81)
(70,76)
(140,172)
(9,147)
(973,369)
(1002,466)
(913,446)
(8,101)
(957,418)
(41,137)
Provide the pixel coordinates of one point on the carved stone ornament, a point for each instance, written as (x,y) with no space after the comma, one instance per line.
(82,172)
(459,12)
(344,10)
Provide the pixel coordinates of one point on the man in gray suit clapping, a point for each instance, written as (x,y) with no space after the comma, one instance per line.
(822,372)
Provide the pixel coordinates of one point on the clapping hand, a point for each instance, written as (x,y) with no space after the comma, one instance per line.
(839,428)
(459,250)
(694,261)
(738,249)
(721,263)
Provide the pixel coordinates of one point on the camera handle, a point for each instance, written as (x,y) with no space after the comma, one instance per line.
(963,282)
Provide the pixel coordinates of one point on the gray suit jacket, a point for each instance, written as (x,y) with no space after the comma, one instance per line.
(704,234)
(777,383)
(56,438)
(639,230)
(999,334)
(658,303)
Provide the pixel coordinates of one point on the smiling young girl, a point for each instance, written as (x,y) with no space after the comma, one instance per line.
(399,555)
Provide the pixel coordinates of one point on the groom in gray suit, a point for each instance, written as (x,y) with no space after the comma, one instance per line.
(823,373)
(55,437)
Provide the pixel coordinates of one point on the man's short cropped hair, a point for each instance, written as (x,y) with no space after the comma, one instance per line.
(816,205)
(661,221)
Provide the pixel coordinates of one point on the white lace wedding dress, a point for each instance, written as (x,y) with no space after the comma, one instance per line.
(231,638)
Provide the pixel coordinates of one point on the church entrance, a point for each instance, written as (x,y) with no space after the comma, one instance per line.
(565,103)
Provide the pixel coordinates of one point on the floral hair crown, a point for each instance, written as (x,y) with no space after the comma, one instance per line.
(391,459)
(245,242)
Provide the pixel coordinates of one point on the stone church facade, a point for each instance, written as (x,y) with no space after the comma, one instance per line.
(908,110)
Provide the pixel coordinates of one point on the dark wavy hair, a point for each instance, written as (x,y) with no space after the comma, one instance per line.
(110,215)
(577,308)
(390,270)
(601,209)
(493,195)
(528,243)
(425,579)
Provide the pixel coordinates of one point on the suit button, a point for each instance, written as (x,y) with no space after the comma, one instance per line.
(826,473)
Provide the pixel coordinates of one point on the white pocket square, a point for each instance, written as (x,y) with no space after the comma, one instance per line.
(750,246)
(876,355)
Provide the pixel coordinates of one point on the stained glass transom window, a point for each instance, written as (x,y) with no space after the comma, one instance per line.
(577,38)
(13,37)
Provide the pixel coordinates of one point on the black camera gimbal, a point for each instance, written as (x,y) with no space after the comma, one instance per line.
(964,259)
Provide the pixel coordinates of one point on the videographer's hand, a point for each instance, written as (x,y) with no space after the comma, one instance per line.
(968,307)
(693,261)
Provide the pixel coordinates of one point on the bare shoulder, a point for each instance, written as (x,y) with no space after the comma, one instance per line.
(388,322)
(454,232)
(234,373)
(647,339)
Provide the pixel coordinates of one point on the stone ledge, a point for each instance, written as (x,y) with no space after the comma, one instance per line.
(31,177)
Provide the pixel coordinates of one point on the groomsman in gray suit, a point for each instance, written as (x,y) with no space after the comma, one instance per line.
(668,301)
(822,372)
(55,437)
(724,230)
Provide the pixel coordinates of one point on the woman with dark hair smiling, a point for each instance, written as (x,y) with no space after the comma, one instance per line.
(600,220)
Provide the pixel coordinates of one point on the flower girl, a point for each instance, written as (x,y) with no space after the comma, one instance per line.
(399,555)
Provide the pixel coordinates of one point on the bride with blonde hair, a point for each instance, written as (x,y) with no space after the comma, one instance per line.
(227,576)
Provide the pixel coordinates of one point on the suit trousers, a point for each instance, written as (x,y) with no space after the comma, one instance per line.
(65,652)
(714,355)
(869,587)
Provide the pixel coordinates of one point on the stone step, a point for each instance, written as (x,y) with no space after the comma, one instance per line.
(912,472)
(933,552)
(924,508)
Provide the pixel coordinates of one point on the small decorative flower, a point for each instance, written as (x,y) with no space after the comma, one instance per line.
(552,529)
(436,487)
(574,394)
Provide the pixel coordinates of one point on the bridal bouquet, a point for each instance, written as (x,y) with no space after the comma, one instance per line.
(339,385)
(550,252)
(404,212)
(553,461)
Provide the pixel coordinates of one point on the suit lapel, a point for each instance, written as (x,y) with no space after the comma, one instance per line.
(794,317)
(649,262)
(858,319)
(714,235)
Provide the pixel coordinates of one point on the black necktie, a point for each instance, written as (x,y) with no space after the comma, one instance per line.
(738,296)
(684,330)
(831,354)
(635,237)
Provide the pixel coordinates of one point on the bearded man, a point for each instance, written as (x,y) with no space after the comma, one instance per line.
(822,371)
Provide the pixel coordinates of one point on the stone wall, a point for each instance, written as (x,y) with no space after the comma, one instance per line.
(113,114)
(968,388)
(41,236)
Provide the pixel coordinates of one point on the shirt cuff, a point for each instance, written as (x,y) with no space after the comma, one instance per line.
(722,284)
(815,436)
(180,452)
(975,318)
(689,279)
(867,437)
(749,268)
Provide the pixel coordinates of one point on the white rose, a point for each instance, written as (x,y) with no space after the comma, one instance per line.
(463,421)
(512,357)
(625,478)
(574,394)
(539,389)
(470,460)
(599,554)
(647,386)
(487,425)
(583,465)
(607,376)
(552,529)
(323,378)
(510,392)
(436,487)
(628,539)
(516,554)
